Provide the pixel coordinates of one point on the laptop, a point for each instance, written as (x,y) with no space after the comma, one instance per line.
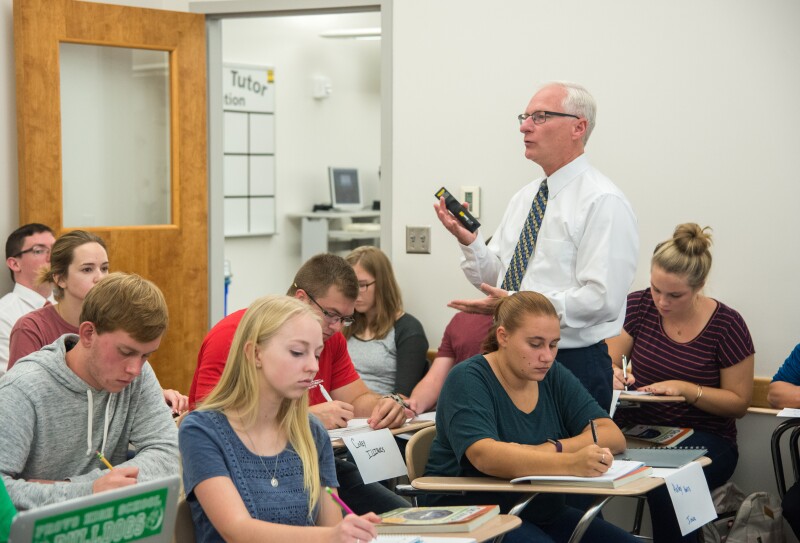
(144,512)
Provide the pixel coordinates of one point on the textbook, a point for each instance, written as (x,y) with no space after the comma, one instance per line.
(660,435)
(620,473)
(425,520)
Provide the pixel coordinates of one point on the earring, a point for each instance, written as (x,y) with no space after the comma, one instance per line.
(258,366)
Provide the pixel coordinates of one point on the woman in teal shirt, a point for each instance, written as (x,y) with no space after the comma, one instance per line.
(514,412)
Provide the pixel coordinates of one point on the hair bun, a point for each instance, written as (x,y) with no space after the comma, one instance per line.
(691,239)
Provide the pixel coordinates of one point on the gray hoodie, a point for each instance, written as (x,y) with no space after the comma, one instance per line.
(52,422)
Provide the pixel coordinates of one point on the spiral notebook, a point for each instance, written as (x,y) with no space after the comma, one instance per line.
(663,457)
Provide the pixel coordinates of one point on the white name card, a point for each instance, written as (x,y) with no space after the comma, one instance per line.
(376,454)
(691,499)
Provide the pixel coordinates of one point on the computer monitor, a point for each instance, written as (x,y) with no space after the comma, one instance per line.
(345,189)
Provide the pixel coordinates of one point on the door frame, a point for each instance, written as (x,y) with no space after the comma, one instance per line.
(215,13)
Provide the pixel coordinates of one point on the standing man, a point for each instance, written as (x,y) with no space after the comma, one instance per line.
(86,392)
(571,236)
(27,252)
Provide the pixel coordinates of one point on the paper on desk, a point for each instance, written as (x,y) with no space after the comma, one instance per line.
(423,539)
(637,393)
(354,426)
(789,412)
(376,454)
(614,401)
(430,415)
(690,497)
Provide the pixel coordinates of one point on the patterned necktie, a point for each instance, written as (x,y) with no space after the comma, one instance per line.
(527,241)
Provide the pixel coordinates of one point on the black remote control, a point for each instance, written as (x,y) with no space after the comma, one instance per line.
(459,211)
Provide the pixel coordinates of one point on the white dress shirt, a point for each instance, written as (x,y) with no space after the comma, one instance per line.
(585,256)
(14,305)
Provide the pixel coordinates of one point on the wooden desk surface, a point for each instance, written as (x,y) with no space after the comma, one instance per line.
(493,484)
(412,426)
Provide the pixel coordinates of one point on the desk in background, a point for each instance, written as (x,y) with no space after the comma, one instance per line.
(409,427)
(321,230)
(639,487)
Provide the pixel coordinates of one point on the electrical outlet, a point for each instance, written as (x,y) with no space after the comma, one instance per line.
(418,239)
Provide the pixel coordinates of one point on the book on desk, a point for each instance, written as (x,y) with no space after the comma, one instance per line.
(425,520)
(668,436)
(621,472)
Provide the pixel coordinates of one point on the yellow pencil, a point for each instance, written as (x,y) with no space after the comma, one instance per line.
(103,460)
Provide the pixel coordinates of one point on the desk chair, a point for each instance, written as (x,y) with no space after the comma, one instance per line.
(794,454)
(184,526)
(417,450)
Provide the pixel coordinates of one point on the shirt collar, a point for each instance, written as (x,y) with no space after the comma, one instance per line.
(30,296)
(562,177)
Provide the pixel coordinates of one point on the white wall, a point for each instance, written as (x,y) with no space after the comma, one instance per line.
(697,120)
(311,134)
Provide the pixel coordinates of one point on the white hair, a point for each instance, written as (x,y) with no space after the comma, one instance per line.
(578,101)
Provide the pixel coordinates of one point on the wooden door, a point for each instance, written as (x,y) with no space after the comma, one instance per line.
(174,255)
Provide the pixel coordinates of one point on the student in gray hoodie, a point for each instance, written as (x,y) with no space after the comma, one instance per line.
(94,391)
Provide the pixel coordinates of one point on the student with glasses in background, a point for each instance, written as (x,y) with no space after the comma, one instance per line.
(27,252)
(388,346)
(329,285)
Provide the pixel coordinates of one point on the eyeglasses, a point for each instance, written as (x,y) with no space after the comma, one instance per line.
(331,318)
(364,286)
(540,117)
(36,250)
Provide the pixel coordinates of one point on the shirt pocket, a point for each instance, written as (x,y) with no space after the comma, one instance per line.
(554,263)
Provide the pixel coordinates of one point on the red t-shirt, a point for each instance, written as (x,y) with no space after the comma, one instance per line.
(335,367)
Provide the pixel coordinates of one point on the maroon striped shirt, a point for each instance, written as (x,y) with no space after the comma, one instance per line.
(724,342)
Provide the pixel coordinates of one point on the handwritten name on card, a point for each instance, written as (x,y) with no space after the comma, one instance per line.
(376,454)
(690,497)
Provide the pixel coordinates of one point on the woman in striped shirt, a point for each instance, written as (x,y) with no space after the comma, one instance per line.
(683,343)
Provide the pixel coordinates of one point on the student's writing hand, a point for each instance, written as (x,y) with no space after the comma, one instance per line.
(355,529)
(177,401)
(620,381)
(387,413)
(484,305)
(591,461)
(116,478)
(464,236)
(413,407)
(333,414)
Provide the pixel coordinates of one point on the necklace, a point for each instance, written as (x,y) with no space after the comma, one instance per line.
(274,481)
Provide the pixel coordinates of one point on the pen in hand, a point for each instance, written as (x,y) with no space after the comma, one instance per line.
(339,500)
(625,371)
(325,393)
(594,431)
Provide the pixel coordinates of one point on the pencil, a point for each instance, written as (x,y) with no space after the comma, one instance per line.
(103,460)
(594,431)
(338,500)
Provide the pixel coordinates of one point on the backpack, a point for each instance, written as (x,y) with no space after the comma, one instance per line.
(757,518)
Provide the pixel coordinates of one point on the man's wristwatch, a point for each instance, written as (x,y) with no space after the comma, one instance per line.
(557,443)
